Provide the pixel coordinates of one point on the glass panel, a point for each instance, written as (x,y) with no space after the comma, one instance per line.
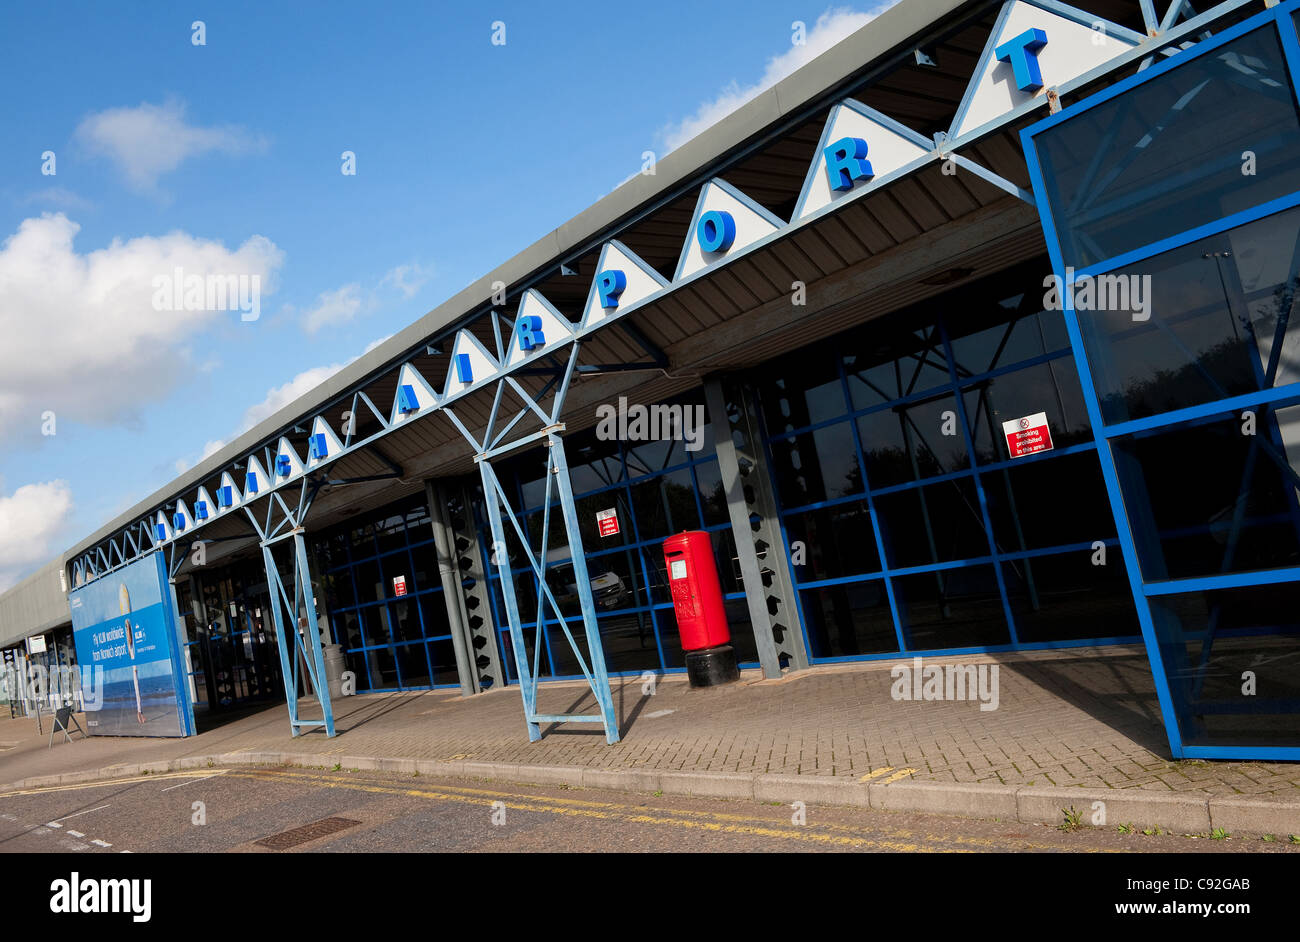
(665,505)
(893,365)
(1049,502)
(1161,158)
(817,466)
(845,620)
(977,348)
(1051,387)
(952,608)
(1208,499)
(1210,640)
(934,524)
(913,441)
(1067,597)
(412,664)
(808,392)
(712,496)
(836,541)
(1220,323)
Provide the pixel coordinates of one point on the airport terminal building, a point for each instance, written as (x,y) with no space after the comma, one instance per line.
(970,336)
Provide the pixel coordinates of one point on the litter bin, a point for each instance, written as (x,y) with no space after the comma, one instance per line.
(335,665)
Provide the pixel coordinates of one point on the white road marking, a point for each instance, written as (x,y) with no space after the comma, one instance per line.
(98,843)
(204,779)
(87,811)
(53,824)
(72,833)
(658,713)
(73,845)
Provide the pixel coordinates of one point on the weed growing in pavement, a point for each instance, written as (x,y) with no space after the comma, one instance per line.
(1073,819)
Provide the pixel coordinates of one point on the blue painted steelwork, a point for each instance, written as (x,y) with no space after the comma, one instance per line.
(1171,700)
(495,498)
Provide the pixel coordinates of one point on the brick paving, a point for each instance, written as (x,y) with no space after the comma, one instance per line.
(1065,718)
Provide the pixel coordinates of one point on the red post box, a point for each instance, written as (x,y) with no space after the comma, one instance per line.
(697,602)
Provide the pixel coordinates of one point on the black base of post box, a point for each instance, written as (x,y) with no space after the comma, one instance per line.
(712,667)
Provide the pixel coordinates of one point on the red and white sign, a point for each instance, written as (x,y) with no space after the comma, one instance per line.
(399,586)
(607,522)
(1028,435)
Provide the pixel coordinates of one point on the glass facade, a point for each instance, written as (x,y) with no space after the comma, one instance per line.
(910,525)
(391,639)
(230,641)
(1197,389)
(657,488)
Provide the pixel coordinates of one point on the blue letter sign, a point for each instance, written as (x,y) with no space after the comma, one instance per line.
(529,331)
(464,372)
(406,401)
(716,231)
(610,285)
(1022,53)
(846,163)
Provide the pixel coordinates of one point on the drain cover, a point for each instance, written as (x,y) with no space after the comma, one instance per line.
(308,832)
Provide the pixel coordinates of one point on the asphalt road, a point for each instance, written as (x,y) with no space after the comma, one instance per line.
(260,810)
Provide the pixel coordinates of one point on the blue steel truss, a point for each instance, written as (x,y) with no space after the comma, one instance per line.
(495,443)
(296,619)
(1105,436)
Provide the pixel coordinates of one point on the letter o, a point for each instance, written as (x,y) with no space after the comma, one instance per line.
(716,231)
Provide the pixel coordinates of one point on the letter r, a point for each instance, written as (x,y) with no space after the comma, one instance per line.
(846,162)
(1022,53)
(529,330)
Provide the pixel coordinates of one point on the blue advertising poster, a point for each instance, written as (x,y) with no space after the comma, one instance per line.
(123,623)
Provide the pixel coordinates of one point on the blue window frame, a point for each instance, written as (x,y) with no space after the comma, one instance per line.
(908,523)
(1200,445)
(657,488)
(390,642)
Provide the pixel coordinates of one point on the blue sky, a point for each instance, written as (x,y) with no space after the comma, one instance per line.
(227,156)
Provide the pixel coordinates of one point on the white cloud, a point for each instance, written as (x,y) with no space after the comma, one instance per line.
(406,280)
(148,141)
(333,308)
(831,27)
(280,396)
(30,518)
(81,335)
(276,399)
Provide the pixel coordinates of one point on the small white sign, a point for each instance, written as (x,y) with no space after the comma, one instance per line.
(677,569)
(36,644)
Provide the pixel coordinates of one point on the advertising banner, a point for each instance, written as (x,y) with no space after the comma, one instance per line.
(123,623)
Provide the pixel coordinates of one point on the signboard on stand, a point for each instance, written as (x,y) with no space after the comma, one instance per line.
(130,644)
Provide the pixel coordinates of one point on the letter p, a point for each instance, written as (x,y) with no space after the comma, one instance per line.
(610,285)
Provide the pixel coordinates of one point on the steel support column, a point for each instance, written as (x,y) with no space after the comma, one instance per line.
(755,525)
(299,639)
(557,479)
(449,573)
